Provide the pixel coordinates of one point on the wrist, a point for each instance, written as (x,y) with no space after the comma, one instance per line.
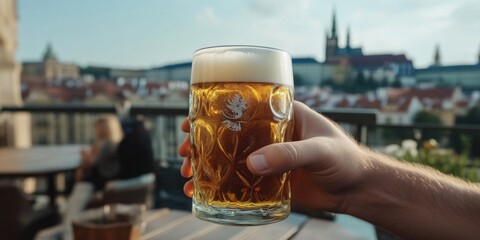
(374,192)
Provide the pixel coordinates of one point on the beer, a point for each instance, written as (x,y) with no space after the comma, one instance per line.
(240,101)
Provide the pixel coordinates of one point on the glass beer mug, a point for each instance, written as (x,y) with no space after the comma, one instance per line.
(240,101)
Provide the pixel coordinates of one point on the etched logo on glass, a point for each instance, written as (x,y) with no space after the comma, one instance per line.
(234,112)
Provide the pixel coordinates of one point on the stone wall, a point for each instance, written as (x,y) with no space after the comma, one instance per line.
(15,128)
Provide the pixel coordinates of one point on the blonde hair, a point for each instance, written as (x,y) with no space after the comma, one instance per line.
(112,127)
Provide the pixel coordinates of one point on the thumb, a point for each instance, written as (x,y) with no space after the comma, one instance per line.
(281,157)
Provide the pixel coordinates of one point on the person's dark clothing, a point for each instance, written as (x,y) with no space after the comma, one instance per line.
(132,157)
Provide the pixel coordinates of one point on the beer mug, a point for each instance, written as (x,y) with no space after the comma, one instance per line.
(240,101)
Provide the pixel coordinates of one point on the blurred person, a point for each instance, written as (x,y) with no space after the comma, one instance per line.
(331,172)
(98,165)
(114,163)
(123,106)
(135,152)
(101,159)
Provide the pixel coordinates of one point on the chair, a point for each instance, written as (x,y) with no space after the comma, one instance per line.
(170,189)
(137,190)
(17,219)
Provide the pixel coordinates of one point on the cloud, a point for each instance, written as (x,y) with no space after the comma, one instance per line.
(206,15)
(269,8)
(467,13)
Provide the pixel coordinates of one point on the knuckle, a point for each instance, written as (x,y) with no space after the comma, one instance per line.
(293,154)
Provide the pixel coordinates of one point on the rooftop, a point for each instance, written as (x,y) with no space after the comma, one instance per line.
(450,68)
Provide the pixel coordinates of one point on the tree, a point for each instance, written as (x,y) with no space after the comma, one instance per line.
(97,72)
(466,143)
(394,135)
(384,82)
(397,83)
(360,80)
(425,117)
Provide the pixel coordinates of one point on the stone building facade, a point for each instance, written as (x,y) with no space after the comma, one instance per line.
(14,128)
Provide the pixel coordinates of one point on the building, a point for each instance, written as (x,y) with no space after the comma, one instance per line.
(345,64)
(177,72)
(383,67)
(9,68)
(333,52)
(443,102)
(14,128)
(399,111)
(50,68)
(466,76)
(307,72)
(127,74)
(120,75)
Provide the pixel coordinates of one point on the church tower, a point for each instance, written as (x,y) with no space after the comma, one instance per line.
(332,41)
(348,38)
(478,62)
(437,60)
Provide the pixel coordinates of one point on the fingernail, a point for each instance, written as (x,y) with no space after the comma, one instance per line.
(259,163)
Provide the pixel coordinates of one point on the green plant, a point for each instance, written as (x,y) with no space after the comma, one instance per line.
(444,160)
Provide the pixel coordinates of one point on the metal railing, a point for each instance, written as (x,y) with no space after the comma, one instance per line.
(164,126)
(359,123)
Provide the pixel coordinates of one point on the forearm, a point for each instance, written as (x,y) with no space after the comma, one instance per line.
(416,202)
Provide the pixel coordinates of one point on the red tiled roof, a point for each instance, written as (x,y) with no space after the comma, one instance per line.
(462,104)
(422,94)
(32,79)
(343,103)
(105,87)
(66,94)
(400,104)
(405,105)
(364,102)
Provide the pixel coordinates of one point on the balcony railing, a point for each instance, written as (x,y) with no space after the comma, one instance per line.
(74,124)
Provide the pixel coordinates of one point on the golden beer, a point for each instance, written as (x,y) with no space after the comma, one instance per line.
(232,116)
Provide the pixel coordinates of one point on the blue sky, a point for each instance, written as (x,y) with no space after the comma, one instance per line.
(149,33)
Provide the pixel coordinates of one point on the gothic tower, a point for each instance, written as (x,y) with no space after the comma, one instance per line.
(437,60)
(478,62)
(331,41)
(348,38)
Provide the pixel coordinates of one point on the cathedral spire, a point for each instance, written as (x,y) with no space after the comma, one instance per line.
(437,61)
(334,24)
(478,57)
(348,37)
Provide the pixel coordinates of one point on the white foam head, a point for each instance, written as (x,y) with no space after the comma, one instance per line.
(242,64)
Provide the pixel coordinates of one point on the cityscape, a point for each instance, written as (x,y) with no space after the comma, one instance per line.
(385,99)
(347,78)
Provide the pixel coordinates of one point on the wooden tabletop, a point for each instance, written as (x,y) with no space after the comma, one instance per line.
(175,224)
(19,162)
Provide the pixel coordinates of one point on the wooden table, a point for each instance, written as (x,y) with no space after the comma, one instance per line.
(45,161)
(175,224)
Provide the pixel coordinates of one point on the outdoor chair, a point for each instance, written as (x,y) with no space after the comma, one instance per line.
(17,218)
(137,190)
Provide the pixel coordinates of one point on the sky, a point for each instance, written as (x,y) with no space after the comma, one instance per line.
(152,33)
